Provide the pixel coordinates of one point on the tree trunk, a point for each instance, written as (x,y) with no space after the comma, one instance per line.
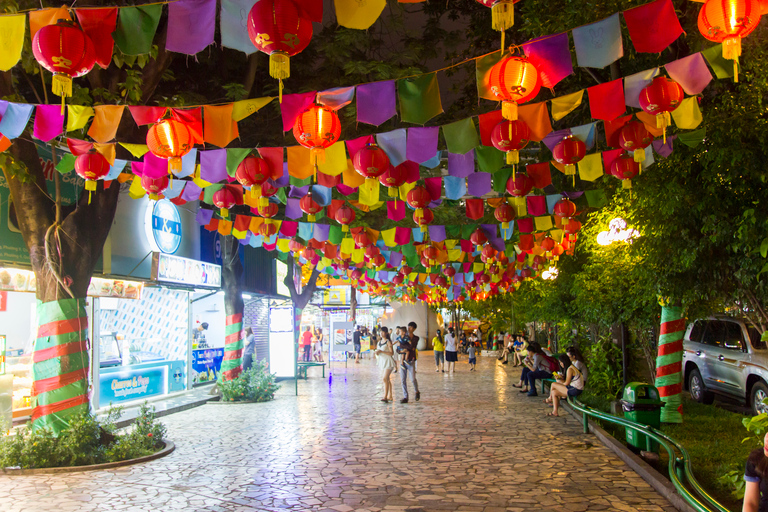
(300,300)
(231,278)
(669,374)
(353,304)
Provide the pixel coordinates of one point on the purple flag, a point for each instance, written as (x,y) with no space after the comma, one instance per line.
(320,232)
(491,230)
(285,179)
(422,143)
(376,102)
(553,138)
(690,72)
(437,233)
(479,184)
(213,165)
(664,150)
(461,166)
(190,25)
(298,191)
(49,122)
(191,192)
(552,57)
(204,216)
(292,209)
(395,258)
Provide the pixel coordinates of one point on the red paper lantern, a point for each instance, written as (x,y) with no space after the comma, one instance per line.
(356,274)
(378,260)
(276,29)
(309,206)
(317,128)
(727,21)
(547,244)
(268,189)
(170,139)
(572,226)
(418,198)
(448,270)
(155,186)
(362,239)
(431,253)
(565,208)
(423,220)
(660,98)
(505,214)
(268,211)
(635,137)
(513,80)
(625,168)
(398,279)
(225,198)
(295,246)
(371,162)
(526,273)
(393,178)
(91,166)
(511,137)
(267,230)
(405,270)
(371,251)
(488,252)
(64,50)
(253,172)
(569,152)
(478,237)
(441,282)
(519,185)
(345,216)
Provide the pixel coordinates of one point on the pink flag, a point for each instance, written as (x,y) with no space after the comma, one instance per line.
(376,102)
(395,210)
(49,122)
(402,236)
(690,72)
(293,105)
(653,26)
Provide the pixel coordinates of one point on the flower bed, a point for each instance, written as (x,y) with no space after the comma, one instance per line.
(253,385)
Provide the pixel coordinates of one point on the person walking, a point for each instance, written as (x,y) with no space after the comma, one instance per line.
(249,352)
(357,343)
(306,343)
(451,355)
(407,349)
(385,362)
(319,345)
(439,348)
(472,351)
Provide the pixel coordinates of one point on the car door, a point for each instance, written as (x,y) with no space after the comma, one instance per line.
(695,350)
(713,334)
(726,350)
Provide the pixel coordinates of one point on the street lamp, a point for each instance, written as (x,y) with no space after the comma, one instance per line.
(617,232)
(550,274)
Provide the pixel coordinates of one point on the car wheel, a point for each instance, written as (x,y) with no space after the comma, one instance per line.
(697,389)
(759,393)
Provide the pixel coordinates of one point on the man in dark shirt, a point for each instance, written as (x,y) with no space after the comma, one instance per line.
(407,348)
(356,342)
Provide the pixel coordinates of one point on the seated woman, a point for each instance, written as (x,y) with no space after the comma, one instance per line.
(571,382)
(527,368)
(507,349)
(520,346)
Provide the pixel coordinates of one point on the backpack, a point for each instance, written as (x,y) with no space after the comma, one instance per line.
(551,362)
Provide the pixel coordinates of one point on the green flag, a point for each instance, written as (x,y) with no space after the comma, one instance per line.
(335,235)
(483,66)
(66,164)
(453,231)
(692,139)
(461,136)
(467,229)
(419,98)
(722,68)
(596,198)
(500,179)
(234,157)
(489,159)
(136,27)
(297,182)
(210,190)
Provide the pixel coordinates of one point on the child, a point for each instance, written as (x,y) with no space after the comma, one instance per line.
(472,350)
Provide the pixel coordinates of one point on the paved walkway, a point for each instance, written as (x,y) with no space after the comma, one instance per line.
(473,443)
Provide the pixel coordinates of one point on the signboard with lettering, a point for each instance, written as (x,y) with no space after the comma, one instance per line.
(3,301)
(162,225)
(206,364)
(173,269)
(132,384)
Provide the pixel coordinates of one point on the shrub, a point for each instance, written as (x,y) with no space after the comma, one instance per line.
(255,385)
(86,441)
(604,363)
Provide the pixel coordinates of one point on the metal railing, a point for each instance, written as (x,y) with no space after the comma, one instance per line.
(680,472)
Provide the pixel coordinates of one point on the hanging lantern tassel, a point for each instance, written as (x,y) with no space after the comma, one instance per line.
(174,165)
(509,110)
(393,191)
(513,157)
(154,197)
(626,184)
(662,121)
(310,218)
(732,51)
(505,225)
(256,193)
(61,85)
(423,228)
(280,68)
(570,170)
(639,155)
(90,186)
(224,213)
(317,156)
(344,228)
(419,212)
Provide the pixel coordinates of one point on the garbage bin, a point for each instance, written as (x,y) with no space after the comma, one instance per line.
(641,404)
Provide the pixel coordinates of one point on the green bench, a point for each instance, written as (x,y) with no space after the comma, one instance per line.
(545,381)
(303,366)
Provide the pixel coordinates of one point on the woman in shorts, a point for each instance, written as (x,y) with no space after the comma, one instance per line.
(571,382)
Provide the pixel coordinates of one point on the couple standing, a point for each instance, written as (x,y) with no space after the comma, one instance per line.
(405,347)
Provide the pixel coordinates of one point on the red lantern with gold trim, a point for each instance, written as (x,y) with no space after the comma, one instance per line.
(393,178)
(727,21)
(63,49)
(660,98)
(519,185)
(345,216)
(635,137)
(170,139)
(423,220)
(253,172)
(572,226)
(511,137)
(371,162)
(155,186)
(268,211)
(565,208)
(505,214)
(317,128)
(478,237)
(362,239)
(267,230)
(488,252)
(513,80)
(309,206)
(625,168)
(569,152)
(448,270)
(225,198)
(276,28)
(418,198)
(91,166)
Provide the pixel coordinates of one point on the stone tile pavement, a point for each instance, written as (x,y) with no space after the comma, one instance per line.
(473,443)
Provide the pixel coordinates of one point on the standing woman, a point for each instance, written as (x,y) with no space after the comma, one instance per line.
(385,362)
(439,348)
(451,349)
(319,345)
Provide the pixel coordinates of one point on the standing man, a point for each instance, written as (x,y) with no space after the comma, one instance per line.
(407,348)
(357,343)
(198,336)
(306,343)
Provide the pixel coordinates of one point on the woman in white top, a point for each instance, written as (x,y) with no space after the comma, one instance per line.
(571,383)
(451,350)
(385,362)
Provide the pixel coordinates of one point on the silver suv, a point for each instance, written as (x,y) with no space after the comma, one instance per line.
(723,355)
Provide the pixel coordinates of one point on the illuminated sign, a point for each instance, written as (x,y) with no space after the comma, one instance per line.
(173,269)
(281,271)
(282,345)
(335,295)
(162,225)
(19,280)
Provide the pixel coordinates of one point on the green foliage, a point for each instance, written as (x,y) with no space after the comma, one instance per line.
(253,385)
(604,363)
(86,441)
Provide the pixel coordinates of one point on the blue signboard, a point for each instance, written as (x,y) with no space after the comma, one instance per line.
(123,385)
(164,226)
(206,364)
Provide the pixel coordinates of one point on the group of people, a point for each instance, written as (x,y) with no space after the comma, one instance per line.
(398,355)
(446,351)
(311,345)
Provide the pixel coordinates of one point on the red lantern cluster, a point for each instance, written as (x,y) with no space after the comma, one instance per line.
(254,172)
(635,137)
(419,198)
(660,98)
(569,152)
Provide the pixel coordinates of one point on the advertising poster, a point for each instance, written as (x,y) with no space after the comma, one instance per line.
(132,384)
(206,364)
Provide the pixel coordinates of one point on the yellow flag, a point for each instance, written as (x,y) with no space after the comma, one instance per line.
(78,116)
(105,122)
(358,15)
(335,160)
(244,108)
(543,223)
(564,105)
(239,234)
(299,165)
(347,245)
(404,189)
(282,244)
(557,235)
(369,192)
(197,180)
(358,255)
(376,206)
(687,115)
(450,244)
(136,191)
(388,235)
(591,167)
(478,267)
(137,150)
(455,254)
(12,30)
(520,206)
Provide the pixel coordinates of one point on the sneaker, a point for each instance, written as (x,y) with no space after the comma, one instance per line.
(437,370)
(505,362)
(404,401)
(442,371)
(418,396)
(532,393)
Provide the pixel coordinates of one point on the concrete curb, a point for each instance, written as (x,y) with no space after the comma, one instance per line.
(646,472)
(165,412)
(169,447)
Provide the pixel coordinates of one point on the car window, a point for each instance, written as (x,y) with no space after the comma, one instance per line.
(734,338)
(697,330)
(714,333)
(754,337)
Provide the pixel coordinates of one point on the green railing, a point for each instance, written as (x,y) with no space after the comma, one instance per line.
(680,472)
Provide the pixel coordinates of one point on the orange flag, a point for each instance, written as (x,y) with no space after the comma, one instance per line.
(42,17)
(299,165)
(219,128)
(106,119)
(536,116)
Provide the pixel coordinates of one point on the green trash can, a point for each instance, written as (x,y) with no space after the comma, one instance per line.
(641,404)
